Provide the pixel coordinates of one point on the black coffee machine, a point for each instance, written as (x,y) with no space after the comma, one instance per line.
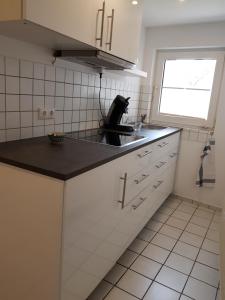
(116,111)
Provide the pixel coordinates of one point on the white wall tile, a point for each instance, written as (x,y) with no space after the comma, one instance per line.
(67,127)
(26,69)
(2,65)
(49,73)
(36,121)
(38,87)
(49,102)
(26,133)
(12,66)
(2,84)
(84,91)
(38,102)
(77,91)
(12,85)
(12,102)
(26,86)
(12,134)
(2,102)
(67,116)
(59,127)
(49,129)
(76,103)
(68,90)
(39,71)
(38,131)
(68,105)
(60,74)
(59,103)
(26,119)
(77,77)
(58,117)
(49,88)
(2,120)
(76,116)
(84,79)
(12,119)
(69,76)
(2,136)
(60,89)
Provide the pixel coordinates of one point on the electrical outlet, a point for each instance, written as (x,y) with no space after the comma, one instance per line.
(46,114)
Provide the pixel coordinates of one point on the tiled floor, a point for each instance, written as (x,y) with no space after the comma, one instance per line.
(174,257)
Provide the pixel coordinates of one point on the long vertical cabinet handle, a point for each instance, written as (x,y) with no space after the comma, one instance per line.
(111,30)
(101,10)
(124,190)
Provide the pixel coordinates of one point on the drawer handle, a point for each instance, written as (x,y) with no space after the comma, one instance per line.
(145,154)
(102,10)
(161,164)
(173,155)
(124,190)
(158,184)
(143,177)
(135,206)
(163,145)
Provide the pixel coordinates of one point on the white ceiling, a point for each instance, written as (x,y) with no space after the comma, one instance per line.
(171,12)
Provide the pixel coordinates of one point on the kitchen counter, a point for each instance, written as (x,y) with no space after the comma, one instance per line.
(71,158)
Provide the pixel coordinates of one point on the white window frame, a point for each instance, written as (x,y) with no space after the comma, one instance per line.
(162,56)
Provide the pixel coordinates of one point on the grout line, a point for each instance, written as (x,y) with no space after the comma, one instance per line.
(170,251)
(197,256)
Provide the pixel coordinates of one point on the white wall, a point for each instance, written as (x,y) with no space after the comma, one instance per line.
(210,35)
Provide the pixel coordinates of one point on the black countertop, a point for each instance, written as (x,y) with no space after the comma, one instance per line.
(71,158)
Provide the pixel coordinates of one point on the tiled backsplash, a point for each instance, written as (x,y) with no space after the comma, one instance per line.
(26,86)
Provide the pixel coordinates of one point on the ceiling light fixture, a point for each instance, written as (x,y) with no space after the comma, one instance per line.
(134,2)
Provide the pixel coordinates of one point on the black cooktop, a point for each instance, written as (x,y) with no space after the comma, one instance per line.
(109,137)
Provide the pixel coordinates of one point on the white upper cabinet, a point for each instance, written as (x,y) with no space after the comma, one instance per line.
(112,25)
(78,19)
(123,27)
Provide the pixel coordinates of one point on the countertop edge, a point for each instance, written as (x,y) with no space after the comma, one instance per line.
(71,175)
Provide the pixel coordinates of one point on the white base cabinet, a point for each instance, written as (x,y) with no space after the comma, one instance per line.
(59,239)
(106,208)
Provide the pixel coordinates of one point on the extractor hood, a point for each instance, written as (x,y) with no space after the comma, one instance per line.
(95,59)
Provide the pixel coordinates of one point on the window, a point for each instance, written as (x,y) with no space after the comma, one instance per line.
(186,87)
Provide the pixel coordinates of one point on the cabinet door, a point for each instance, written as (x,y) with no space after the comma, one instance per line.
(78,19)
(123,28)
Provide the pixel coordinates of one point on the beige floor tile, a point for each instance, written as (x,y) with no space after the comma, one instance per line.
(211,246)
(213,235)
(199,290)
(160,217)
(181,215)
(191,239)
(160,292)
(154,225)
(166,210)
(172,221)
(206,274)
(146,267)
(156,253)
(138,245)
(171,278)
(127,258)
(186,250)
(170,231)
(146,234)
(215,226)
(189,209)
(203,214)
(200,221)
(163,241)
(117,294)
(195,229)
(179,263)
(101,291)
(115,274)
(134,283)
(208,258)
